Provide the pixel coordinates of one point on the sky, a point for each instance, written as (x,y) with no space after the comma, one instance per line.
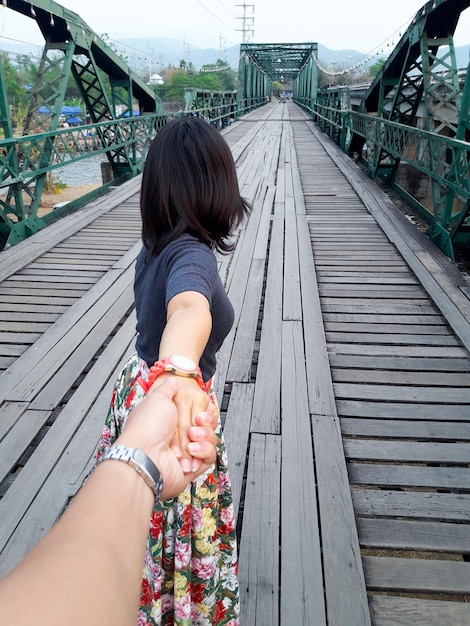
(362,25)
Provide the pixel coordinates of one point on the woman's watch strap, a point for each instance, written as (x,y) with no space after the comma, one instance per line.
(143,465)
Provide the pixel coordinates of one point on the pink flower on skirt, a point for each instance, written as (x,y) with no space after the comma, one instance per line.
(223,482)
(204,568)
(196,518)
(167,602)
(182,554)
(183,608)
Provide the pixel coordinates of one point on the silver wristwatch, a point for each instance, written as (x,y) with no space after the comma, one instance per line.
(140,462)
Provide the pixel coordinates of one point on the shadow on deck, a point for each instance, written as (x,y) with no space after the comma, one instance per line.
(344,385)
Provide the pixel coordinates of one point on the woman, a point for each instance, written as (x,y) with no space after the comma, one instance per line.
(190,206)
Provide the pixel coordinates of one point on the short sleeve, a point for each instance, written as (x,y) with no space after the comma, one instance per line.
(190,266)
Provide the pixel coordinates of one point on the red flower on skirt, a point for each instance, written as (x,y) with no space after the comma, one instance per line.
(156,521)
(219,611)
(146,593)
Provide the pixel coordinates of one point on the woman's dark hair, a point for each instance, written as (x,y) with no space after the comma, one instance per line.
(189,184)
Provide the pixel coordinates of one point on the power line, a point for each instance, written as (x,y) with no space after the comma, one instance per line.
(227,8)
(214,15)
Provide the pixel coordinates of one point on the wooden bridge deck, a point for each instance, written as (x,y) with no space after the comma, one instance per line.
(345,385)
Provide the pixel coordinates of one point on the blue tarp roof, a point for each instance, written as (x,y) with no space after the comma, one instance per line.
(69,110)
(65,110)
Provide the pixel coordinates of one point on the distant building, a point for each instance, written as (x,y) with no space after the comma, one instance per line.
(155,79)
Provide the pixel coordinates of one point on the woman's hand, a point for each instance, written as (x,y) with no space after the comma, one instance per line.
(154,425)
(190,401)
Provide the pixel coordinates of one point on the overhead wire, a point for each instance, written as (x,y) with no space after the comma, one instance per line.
(214,15)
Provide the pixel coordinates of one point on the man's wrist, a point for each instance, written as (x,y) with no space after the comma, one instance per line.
(138,461)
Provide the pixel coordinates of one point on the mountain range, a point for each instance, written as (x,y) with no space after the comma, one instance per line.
(163,51)
(155,53)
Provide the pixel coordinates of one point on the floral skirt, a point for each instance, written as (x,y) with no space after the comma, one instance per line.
(190,570)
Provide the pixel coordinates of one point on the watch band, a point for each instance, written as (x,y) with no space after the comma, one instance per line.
(175,364)
(143,465)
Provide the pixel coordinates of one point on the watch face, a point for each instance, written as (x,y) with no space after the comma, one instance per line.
(183,363)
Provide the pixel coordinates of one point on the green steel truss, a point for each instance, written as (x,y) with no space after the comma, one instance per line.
(217,107)
(416,112)
(110,90)
(293,64)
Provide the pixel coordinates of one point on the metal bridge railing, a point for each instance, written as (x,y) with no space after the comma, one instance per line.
(220,108)
(25,161)
(444,160)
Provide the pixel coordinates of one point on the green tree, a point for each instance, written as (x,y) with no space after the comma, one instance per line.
(16,90)
(375,69)
(277,88)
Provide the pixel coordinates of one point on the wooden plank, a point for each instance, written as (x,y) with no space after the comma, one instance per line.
(259,545)
(389,410)
(436,379)
(393,611)
(396,534)
(417,575)
(411,451)
(19,437)
(344,578)
(321,395)
(389,328)
(10,412)
(392,339)
(267,400)
(411,504)
(243,346)
(406,429)
(292,307)
(236,434)
(391,362)
(385,307)
(372,294)
(302,599)
(457,478)
(452,395)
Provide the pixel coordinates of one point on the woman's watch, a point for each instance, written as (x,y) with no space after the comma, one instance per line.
(178,365)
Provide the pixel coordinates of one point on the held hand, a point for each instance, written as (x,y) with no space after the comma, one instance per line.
(190,401)
(151,426)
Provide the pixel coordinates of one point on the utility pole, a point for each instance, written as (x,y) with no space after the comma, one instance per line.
(222,48)
(186,54)
(248,22)
(150,53)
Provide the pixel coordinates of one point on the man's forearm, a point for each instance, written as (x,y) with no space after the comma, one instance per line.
(101,537)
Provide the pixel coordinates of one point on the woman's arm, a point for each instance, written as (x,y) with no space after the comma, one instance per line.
(87,569)
(188,327)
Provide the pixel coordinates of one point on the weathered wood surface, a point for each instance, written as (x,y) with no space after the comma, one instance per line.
(344,384)
(399,361)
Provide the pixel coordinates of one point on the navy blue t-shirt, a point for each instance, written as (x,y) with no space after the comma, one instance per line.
(185,264)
